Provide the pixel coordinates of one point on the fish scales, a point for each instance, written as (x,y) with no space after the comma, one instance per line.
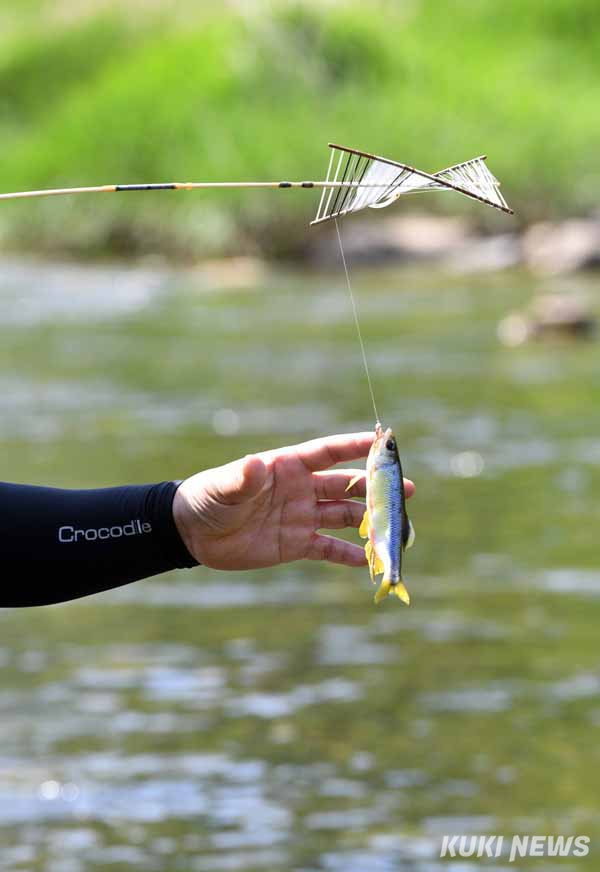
(386,524)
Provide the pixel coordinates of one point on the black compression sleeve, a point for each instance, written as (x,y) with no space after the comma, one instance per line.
(56,545)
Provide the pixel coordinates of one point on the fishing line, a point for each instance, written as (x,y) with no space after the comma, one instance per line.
(356,321)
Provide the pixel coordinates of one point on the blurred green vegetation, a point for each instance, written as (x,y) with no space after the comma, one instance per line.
(150,94)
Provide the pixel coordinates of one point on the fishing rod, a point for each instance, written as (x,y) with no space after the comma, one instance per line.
(356,180)
(178,186)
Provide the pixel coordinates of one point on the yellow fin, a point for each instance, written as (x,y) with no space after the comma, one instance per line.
(354,480)
(401,592)
(383,591)
(371,560)
(375,564)
(363,530)
(411,536)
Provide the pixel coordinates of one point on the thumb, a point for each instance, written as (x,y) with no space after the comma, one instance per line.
(246,478)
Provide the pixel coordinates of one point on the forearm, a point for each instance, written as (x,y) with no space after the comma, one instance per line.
(57,545)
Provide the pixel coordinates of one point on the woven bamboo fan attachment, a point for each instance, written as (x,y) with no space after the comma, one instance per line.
(359,179)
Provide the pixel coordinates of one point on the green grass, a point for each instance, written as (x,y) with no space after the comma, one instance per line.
(259,94)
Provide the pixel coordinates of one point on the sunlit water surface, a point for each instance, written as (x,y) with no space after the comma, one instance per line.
(278,720)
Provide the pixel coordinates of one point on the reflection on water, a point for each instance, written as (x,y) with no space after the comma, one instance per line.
(277,719)
(35,293)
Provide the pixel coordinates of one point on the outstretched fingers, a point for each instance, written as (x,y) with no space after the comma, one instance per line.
(337,514)
(336,551)
(329,450)
(333,484)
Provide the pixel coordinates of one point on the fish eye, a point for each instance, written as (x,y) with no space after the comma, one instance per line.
(390,445)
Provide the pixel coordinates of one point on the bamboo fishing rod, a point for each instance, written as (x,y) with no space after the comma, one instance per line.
(179,186)
(355,179)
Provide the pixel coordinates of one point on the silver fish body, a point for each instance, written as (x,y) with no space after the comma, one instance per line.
(385,523)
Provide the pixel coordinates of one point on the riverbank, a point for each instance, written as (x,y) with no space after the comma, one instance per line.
(457,245)
(452,246)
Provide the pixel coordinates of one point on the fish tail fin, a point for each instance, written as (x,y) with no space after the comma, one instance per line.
(383,590)
(401,592)
(386,587)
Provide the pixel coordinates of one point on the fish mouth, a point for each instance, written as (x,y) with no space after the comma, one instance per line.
(381,443)
(380,433)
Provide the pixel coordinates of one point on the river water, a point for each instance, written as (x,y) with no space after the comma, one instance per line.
(277,720)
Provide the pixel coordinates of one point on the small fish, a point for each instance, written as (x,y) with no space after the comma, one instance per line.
(385,522)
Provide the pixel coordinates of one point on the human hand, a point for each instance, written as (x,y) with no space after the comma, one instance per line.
(267,508)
